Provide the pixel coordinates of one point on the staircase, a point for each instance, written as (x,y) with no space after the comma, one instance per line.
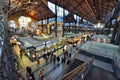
(75,64)
(78,70)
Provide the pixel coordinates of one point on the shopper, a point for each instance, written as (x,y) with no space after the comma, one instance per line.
(38,62)
(41,74)
(54,59)
(46,59)
(51,52)
(63,60)
(30,76)
(48,53)
(58,58)
(28,69)
(68,61)
(67,53)
(21,55)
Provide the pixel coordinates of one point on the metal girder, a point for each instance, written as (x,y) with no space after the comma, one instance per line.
(106,9)
(78,5)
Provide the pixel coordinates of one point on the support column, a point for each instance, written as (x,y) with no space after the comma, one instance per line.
(117,36)
(48,27)
(56,21)
(69,27)
(73,28)
(47,21)
(114,32)
(79,22)
(109,26)
(42,25)
(63,22)
(76,25)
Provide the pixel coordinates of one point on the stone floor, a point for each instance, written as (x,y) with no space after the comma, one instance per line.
(96,73)
(96,62)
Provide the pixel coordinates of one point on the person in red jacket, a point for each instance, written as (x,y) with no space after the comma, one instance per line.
(38,62)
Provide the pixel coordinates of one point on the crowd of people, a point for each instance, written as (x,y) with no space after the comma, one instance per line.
(49,57)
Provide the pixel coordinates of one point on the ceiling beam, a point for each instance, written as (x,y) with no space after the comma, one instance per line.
(67,4)
(103,18)
(77,5)
(106,12)
(90,8)
(72,11)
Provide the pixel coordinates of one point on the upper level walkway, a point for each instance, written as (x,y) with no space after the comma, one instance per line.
(101,49)
(104,52)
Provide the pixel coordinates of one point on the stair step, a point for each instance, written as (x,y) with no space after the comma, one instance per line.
(75,64)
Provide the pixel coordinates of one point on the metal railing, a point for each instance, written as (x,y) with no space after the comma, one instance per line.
(81,71)
(8,61)
(8,70)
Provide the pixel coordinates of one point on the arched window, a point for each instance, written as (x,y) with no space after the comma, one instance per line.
(113,21)
(33,25)
(51,6)
(12,24)
(23,21)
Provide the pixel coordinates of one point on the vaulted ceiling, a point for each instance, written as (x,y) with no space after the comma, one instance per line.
(91,10)
(69,18)
(35,8)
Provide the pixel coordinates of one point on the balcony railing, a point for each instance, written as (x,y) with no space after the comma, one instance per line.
(79,72)
(8,70)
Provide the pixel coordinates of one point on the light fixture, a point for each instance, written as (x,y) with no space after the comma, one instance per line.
(28,19)
(32,12)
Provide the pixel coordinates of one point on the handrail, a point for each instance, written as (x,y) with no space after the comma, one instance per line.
(75,71)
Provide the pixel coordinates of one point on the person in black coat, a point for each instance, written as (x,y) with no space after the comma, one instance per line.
(58,58)
(63,60)
(30,76)
(28,69)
